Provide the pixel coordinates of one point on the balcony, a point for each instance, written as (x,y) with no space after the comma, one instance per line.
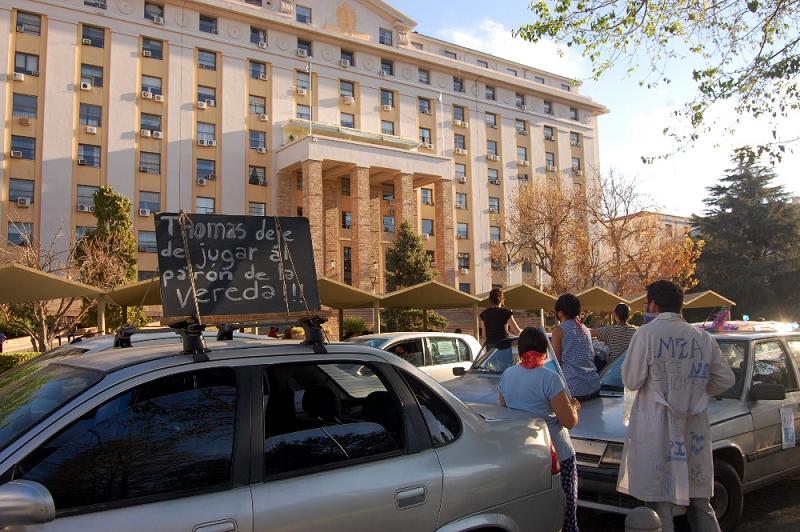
(298,128)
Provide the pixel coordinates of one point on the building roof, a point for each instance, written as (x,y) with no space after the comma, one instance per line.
(21,284)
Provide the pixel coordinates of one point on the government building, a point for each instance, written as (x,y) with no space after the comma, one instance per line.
(334,110)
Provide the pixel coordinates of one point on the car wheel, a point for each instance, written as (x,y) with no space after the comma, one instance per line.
(728,499)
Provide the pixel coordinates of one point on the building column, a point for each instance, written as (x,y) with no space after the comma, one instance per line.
(284,190)
(312,209)
(405,200)
(376,231)
(445,231)
(360,229)
(330,201)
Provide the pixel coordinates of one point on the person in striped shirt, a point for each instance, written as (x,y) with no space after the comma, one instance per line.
(616,336)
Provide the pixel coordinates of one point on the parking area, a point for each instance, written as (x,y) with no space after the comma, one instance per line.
(775,509)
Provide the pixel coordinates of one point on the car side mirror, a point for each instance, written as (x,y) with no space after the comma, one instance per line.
(767,392)
(459,371)
(23,502)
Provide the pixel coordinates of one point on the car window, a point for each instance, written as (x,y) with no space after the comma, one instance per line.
(447,351)
(498,358)
(169,436)
(794,349)
(410,351)
(772,365)
(311,422)
(464,353)
(443,424)
(371,342)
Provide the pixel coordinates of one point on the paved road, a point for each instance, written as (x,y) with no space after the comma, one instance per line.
(772,509)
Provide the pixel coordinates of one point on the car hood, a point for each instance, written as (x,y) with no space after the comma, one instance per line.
(475,387)
(602,418)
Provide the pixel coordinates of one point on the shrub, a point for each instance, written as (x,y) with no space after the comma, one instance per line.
(353,327)
(10,360)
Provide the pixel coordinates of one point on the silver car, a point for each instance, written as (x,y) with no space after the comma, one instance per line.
(262,435)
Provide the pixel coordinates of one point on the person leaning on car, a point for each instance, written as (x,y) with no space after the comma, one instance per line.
(616,336)
(674,369)
(572,344)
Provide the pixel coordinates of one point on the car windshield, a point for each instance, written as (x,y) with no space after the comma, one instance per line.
(734,352)
(498,358)
(33,391)
(372,342)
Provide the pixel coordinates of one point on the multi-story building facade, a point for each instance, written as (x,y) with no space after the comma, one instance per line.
(334,110)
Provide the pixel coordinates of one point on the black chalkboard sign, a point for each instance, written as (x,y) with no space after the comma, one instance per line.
(244,267)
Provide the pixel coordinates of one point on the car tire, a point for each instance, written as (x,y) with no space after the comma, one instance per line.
(728,500)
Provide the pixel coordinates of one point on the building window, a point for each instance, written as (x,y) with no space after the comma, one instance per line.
(548,107)
(206,169)
(91,74)
(550,160)
(385,36)
(417,45)
(424,76)
(20,188)
(20,233)
(306,46)
(151,84)
(576,164)
(461,170)
(460,142)
(527,267)
(387,127)
(347,120)
(24,105)
(494,233)
(463,261)
(549,133)
(346,55)
(521,126)
(425,135)
(491,93)
(482,63)
(494,204)
(538,79)
(345,186)
(388,192)
(100,4)
(520,101)
(461,200)
(566,87)
(258,70)
(387,98)
(522,153)
(206,60)
(458,85)
(523,179)
(258,139)
(82,230)
(491,120)
(493,175)
(303,112)
(204,205)
(491,147)
(302,80)
(149,162)
(426,196)
(257,176)
(465,287)
(424,105)
(258,35)
(85,195)
(512,72)
(346,88)
(347,219)
(29,23)
(147,242)
(303,14)
(299,182)
(258,105)
(207,95)
(206,131)
(93,36)
(151,11)
(26,64)
(257,209)
(574,138)
(451,55)
(388,224)
(462,230)
(573,113)
(150,201)
(458,113)
(208,24)
(347,259)
(89,155)
(154,47)
(24,146)
(387,67)
(427,226)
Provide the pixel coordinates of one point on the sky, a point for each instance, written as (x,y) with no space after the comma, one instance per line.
(633,127)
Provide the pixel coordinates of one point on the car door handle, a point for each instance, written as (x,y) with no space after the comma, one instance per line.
(410,497)
(228,525)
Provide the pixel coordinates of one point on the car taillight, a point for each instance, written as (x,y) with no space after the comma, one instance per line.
(555,469)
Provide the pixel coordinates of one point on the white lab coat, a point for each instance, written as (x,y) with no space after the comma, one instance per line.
(676,368)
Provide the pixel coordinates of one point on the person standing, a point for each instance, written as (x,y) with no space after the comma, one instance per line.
(2,341)
(497,319)
(674,368)
(617,336)
(533,388)
(572,343)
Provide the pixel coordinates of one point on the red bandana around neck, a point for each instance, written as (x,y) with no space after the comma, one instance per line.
(532,359)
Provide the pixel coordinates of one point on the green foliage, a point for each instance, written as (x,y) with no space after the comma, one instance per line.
(14,329)
(751,231)
(407,263)
(353,327)
(113,214)
(748,52)
(10,360)
(409,320)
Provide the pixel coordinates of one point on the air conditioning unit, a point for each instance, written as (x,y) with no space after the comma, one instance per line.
(82,207)
(387,107)
(16,154)
(202,105)
(23,121)
(211,103)
(86,86)
(458,123)
(464,271)
(19,76)
(144,169)
(263,117)
(551,139)
(494,181)
(211,177)
(212,142)
(459,236)
(158,20)
(577,172)
(523,132)
(262,77)
(20,29)
(147,53)
(492,157)
(202,142)
(344,63)
(86,41)
(144,212)
(147,95)
(462,179)
(427,145)
(159,98)
(425,236)
(202,181)
(145,133)
(262,45)
(550,168)
(348,100)
(383,73)
(425,111)
(522,162)
(261,149)
(24,202)
(81,162)
(574,143)
(158,135)
(460,151)
(301,91)
(522,107)
(302,52)
(91,130)
(461,205)
(492,210)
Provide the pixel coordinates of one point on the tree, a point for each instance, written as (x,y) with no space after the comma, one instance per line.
(751,231)
(748,52)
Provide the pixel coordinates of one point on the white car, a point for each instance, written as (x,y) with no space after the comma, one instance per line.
(434,353)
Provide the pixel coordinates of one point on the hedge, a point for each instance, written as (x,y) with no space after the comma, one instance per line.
(9,360)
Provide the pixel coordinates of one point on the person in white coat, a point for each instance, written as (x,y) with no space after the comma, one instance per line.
(675,368)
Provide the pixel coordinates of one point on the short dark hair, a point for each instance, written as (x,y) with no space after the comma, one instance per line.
(569,304)
(497,297)
(667,295)
(623,312)
(532,339)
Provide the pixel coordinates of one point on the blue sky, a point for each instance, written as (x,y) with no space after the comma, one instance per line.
(634,126)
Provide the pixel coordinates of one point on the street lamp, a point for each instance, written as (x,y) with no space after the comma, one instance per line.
(374,275)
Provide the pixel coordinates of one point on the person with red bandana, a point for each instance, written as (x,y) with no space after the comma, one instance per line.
(531,387)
